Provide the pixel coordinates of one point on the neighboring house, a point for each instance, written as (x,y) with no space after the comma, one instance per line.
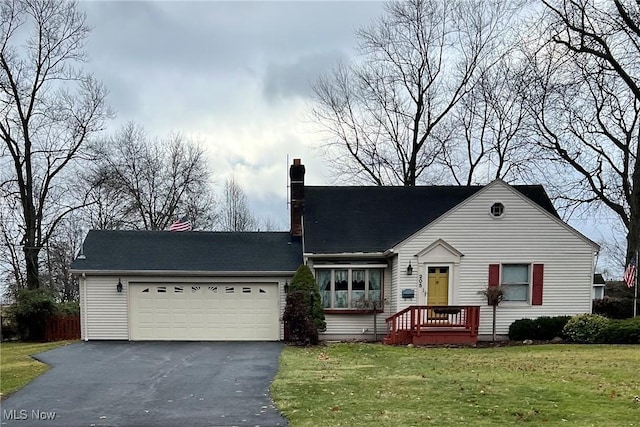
(420,255)
(598,286)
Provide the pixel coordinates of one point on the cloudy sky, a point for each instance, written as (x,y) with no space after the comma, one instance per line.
(234,76)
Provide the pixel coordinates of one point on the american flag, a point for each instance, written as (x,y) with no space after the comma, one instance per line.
(630,273)
(181,225)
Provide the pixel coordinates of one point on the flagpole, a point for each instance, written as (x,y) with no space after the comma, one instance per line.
(635,292)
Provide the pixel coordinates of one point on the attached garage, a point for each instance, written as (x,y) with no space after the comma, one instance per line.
(188,286)
(204,311)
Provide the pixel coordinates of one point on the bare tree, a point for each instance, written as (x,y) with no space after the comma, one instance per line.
(235,214)
(150,183)
(585,98)
(61,250)
(270,224)
(48,110)
(11,259)
(487,136)
(384,113)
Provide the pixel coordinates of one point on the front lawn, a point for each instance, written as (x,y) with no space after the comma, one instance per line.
(374,385)
(17,366)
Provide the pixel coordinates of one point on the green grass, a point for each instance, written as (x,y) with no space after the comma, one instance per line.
(376,385)
(18,368)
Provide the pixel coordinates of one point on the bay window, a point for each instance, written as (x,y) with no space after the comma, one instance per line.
(350,288)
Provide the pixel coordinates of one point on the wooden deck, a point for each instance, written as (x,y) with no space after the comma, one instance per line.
(422,324)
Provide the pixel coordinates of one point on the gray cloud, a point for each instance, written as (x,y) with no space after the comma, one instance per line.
(297,77)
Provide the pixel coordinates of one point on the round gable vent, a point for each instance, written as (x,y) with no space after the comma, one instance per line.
(497,210)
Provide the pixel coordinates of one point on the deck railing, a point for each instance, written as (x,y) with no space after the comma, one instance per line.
(419,320)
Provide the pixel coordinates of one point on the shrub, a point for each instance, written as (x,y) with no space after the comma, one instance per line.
(30,313)
(298,320)
(522,329)
(625,331)
(70,308)
(586,328)
(303,313)
(547,328)
(304,282)
(613,308)
(8,329)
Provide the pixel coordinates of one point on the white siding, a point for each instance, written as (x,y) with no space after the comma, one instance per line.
(106,309)
(105,312)
(83,332)
(523,235)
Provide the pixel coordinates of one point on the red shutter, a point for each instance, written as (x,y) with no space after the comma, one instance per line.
(494,274)
(538,280)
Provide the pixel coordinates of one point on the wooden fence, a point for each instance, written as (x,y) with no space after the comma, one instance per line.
(61,328)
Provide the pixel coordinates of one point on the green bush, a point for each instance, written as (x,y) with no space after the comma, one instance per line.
(614,308)
(547,328)
(303,313)
(69,308)
(543,328)
(586,328)
(30,313)
(522,329)
(304,282)
(625,331)
(297,317)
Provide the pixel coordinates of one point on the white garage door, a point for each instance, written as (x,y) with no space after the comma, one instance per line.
(204,312)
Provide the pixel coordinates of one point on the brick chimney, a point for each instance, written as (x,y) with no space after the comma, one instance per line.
(296,173)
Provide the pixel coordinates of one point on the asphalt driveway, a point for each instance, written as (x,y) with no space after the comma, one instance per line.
(150,384)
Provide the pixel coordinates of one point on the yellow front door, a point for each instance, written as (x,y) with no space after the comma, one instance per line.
(438,286)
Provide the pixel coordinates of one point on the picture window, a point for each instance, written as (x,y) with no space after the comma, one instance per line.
(356,288)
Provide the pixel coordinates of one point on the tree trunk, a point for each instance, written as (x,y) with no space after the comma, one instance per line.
(493,325)
(32,267)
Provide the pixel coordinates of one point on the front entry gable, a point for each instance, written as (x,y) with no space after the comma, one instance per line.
(439,252)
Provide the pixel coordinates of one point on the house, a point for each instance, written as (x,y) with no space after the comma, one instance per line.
(598,286)
(408,262)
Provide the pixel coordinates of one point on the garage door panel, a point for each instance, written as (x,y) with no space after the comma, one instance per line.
(204,312)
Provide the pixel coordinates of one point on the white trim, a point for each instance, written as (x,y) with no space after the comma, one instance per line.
(181,273)
(439,242)
(529,264)
(83,324)
(129,323)
(317,266)
(425,287)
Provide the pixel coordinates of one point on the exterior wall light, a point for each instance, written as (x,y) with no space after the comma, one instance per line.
(119,286)
(409,269)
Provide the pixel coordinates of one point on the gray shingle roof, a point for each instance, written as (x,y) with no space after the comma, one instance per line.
(189,251)
(374,219)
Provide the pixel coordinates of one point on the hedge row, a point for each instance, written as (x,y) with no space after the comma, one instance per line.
(542,328)
(583,328)
(613,308)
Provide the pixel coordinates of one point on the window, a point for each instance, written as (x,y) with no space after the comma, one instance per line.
(349,288)
(598,292)
(515,281)
(497,210)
